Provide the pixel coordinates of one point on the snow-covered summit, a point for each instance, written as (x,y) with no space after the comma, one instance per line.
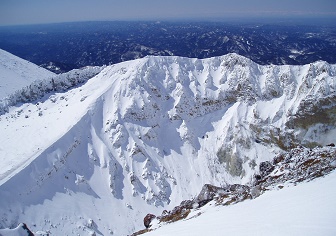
(146,134)
(16,73)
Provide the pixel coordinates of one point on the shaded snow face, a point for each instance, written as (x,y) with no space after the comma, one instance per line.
(149,133)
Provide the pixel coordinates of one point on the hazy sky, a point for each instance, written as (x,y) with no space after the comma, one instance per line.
(46,11)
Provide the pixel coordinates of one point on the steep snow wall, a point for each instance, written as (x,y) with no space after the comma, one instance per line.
(145,134)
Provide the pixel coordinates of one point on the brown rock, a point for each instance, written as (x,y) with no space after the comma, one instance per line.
(148,219)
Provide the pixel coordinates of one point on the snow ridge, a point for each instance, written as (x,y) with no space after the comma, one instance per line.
(39,88)
(16,73)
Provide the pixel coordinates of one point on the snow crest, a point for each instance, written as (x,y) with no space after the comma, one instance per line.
(16,73)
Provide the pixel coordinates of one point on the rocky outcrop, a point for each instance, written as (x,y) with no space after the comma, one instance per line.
(289,168)
(298,165)
(208,193)
(148,219)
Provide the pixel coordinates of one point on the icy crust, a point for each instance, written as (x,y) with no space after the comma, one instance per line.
(143,135)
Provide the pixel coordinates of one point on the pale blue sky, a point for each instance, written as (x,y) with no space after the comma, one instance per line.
(46,11)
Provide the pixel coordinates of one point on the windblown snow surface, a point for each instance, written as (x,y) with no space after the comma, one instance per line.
(141,136)
(16,73)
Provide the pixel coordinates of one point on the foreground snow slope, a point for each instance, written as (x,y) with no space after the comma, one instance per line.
(146,134)
(16,73)
(306,209)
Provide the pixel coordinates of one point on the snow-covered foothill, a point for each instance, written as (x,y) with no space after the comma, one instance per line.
(16,73)
(47,87)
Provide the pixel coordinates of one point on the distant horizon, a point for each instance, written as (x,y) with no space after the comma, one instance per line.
(22,12)
(298,19)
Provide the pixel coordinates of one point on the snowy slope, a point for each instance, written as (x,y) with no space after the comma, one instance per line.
(307,209)
(146,134)
(16,73)
(20,230)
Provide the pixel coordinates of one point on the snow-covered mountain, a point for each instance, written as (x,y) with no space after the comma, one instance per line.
(141,136)
(16,73)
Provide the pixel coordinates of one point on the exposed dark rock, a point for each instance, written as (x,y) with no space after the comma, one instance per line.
(203,202)
(331,145)
(257,177)
(257,141)
(164,213)
(239,188)
(178,213)
(265,168)
(188,204)
(148,219)
(236,193)
(299,164)
(278,159)
(143,231)
(24,226)
(208,192)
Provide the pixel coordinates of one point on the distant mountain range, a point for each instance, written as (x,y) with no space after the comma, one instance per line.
(62,47)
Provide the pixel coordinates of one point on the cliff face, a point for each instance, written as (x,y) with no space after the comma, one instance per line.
(146,134)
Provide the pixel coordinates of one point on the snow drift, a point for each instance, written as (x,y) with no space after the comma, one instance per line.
(146,134)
